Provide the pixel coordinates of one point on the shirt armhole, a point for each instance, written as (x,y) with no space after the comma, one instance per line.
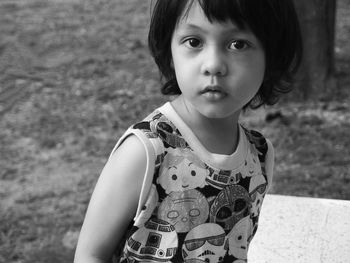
(148,175)
(269,162)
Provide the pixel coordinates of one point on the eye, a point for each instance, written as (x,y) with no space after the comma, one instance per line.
(193,173)
(238,45)
(193,43)
(174,177)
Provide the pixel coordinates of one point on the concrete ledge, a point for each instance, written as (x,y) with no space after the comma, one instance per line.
(298,229)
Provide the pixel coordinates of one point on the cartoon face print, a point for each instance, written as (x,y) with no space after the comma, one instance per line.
(257,139)
(148,207)
(181,170)
(184,210)
(257,181)
(221,178)
(156,241)
(256,205)
(231,204)
(167,132)
(238,238)
(257,197)
(252,164)
(205,242)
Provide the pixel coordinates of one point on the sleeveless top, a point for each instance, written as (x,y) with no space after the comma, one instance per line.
(195,206)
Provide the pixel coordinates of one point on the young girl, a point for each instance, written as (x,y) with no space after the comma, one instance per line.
(186,184)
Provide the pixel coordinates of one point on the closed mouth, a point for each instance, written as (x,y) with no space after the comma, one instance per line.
(212,88)
(213,93)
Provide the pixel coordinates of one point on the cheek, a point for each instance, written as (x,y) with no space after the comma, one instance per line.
(251,77)
(259,67)
(184,66)
(252,68)
(175,58)
(183,72)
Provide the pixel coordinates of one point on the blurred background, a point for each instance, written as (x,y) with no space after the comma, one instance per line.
(74,74)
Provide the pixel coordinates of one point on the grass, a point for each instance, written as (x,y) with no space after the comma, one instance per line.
(76,74)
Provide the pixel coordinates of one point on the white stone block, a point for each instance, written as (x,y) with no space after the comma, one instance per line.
(298,229)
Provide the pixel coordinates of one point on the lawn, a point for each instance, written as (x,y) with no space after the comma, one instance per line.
(75,74)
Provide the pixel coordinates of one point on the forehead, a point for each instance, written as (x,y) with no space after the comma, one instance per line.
(194,17)
(193,14)
(191,9)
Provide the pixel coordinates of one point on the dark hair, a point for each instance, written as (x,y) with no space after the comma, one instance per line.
(274,22)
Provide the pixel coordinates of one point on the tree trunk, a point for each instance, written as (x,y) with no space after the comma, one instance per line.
(317,21)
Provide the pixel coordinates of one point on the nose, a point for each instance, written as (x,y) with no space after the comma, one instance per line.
(214,63)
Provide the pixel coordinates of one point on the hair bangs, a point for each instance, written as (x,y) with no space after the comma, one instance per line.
(221,11)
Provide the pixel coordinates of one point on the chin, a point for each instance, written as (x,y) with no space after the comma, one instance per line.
(220,111)
(219,115)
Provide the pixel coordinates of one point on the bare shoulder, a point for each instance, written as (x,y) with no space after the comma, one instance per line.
(122,177)
(126,166)
(130,152)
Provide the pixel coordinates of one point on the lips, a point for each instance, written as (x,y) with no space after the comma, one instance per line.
(213,92)
(212,88)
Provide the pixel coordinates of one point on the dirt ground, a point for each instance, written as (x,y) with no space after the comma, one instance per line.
(76,73)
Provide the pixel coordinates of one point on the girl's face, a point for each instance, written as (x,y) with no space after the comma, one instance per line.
(219,67)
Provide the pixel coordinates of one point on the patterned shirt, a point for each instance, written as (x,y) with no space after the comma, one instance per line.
(195,206)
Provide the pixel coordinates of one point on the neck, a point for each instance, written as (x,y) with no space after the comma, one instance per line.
(218,135)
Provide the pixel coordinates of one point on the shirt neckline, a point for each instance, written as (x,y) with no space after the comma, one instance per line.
(220,161)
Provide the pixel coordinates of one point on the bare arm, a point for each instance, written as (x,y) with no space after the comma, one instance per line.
(113,203)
